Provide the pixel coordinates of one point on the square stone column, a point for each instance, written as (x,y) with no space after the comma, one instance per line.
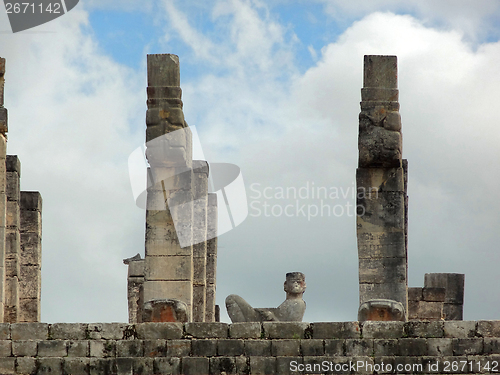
(200,202)
(210,310)
(30,281)
(168,265)
(381,189)
(12,240)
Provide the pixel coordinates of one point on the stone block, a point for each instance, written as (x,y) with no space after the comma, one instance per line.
(136,268)
(288,365)
(459,329)
(233,347)
(382,271)
(5,348)
(178,348)
(207,330)
(257,348)
(433,294)
(27,365)
(467,346)
(195,365)
(102,348)
(382,330)
(289,348)
(204,348)
(4,331)
(29,331)
(199,269)
(335,347)
(491,345)
(336,330)
(76,366)
(379,94)
(7,366)
(247,330)
(488,328)
(424,310)
(52,348)
(424,329)
(453,283)
(413,347)
(102,366)
(170,365)
(262,365)
(392,291)
(78,348)
(129,348)
(380,244)
(452,311)
(223,365)
(12,187)
(12,217)
(385,347)
(168,268)
(24,348)
(31,200)
(29,310)
(68,331)
(312,347)
(381,213)
(31,248)
(13,164)
(52,366)
(4,127)
(163,70)
(107,331)
(372,181)
(440,347)
(30,281)
(285,330)
(415,294)
(380,71)
(155,348)
(181,290)
(359,347)
(149,331)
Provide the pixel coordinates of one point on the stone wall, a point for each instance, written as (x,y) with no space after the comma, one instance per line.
(249,348)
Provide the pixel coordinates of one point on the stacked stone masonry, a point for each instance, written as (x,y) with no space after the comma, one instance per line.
(438,347)
(381,180)
(180,252)
(20,235)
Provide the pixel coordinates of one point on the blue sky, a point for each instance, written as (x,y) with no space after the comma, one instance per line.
(273,87)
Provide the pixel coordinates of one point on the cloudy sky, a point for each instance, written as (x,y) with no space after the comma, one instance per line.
(273,87)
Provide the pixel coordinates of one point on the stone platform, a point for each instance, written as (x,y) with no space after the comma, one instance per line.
(248,348)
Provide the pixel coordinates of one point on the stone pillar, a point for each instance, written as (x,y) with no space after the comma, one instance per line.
(3,196)
(200,190)
(210,310)
(30,257)
(380,178)
(168,272)
(12,240)
(135,288)
(454,284)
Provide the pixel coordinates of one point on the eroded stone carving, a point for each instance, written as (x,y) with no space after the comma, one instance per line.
(291,310)
(381,310)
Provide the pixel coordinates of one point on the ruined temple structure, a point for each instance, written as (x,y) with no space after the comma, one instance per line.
(382,212)
(176,280)
(20,235)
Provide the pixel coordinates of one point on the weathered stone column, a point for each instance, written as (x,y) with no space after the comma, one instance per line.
(135,288)
(3,196)
(168,272)
(381,196)
(200,190)
(210,309)
(30,281)
(12,240)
